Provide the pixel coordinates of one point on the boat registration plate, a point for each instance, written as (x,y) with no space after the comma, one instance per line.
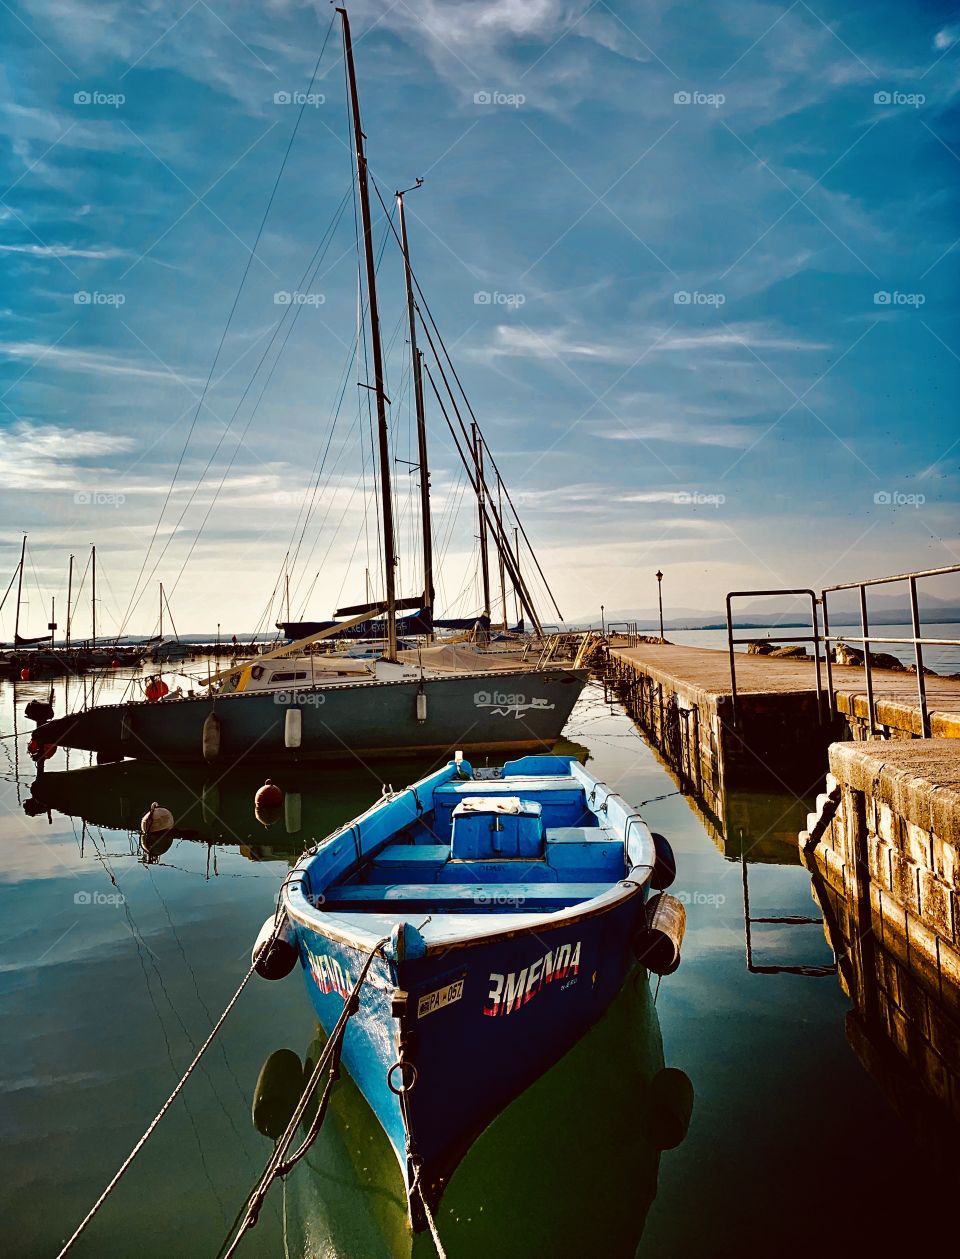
(432,1001)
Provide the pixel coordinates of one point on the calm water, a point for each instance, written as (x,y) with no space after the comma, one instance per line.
(112,969)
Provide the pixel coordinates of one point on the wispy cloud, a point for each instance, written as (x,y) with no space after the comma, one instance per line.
(92,362)
(64,251)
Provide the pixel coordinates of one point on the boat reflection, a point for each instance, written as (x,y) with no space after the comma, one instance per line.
(214,807)
(589,1131)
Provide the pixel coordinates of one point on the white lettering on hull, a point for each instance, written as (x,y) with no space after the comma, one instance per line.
(511,991)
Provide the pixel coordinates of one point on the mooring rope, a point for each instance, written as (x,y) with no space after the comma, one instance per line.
(431,1222)
(151,1127)
(278,1164)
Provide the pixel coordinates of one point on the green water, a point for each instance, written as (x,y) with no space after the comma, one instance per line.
(112,969)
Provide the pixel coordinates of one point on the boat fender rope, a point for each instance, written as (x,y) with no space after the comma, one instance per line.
(151,1127)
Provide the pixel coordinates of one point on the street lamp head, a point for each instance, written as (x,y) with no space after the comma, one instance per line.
(659,575)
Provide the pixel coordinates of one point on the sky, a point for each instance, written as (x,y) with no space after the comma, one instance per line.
(696,265)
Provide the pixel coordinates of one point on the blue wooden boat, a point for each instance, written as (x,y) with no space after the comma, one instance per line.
(498,912)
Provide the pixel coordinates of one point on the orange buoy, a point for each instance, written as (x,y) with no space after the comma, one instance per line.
(155,689)
(270,796)
(40,752)
(24,674)
(116,664)
(158,821)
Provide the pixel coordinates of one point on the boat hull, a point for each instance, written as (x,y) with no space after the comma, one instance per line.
(509,710)
(479,1023)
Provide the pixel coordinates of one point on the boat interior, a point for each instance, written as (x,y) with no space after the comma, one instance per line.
(517,842)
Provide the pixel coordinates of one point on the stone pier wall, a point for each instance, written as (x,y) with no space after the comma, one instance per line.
(887,877)
(777,741)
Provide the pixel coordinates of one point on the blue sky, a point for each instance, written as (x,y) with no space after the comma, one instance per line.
(697,265)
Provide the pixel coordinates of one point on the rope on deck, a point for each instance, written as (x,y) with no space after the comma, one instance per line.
(151,1127)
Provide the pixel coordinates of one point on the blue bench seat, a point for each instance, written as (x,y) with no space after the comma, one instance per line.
(461,897)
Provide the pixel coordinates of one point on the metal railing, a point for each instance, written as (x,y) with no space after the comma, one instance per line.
(813,637)
(829,642)
(916,640)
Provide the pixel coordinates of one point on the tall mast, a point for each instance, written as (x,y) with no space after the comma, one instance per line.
(389,545)
(426,526)
(69,598)
(503,572)
(93,594)
(161,610)
(23,554)
(516,551)
(482,515)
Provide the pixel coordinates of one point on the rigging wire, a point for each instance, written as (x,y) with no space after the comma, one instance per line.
(134,598)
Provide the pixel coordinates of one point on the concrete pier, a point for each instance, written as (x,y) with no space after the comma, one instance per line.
(884,850)
(682,698)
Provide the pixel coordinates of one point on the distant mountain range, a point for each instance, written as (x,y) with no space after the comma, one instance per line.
(844,609)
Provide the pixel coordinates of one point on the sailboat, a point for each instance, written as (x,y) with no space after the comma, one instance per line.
(295,704)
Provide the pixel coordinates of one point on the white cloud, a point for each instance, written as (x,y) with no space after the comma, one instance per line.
(63,251)
(89,361)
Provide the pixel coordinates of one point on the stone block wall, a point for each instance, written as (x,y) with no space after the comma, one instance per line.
(887,873)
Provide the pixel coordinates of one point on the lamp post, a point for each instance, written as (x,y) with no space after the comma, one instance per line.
(660,598)
(602,623)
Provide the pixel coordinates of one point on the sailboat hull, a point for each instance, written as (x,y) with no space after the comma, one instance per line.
(510,710)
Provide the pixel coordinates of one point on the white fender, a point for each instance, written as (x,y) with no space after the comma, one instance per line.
(293,727)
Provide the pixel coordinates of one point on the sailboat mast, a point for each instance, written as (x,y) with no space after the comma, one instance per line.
(69,598)
(23,554)
(482,515)
(426,526)
(516,592)
(161,612)
(389,545)
(93,594)
(503,570)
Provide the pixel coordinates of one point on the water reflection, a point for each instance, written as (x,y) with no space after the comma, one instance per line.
(213,807)
(904,1026)
(569,1169)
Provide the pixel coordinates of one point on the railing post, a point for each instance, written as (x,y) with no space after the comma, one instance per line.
(816,654)
(827,648)
(918,655)
(733,663)
(866,655)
